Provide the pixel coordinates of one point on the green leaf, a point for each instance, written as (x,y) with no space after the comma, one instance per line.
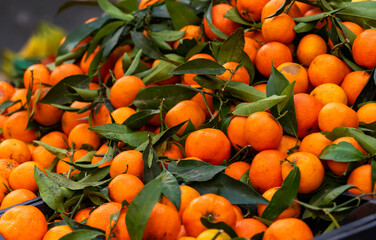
(57,93)
(140,118)
(98,174)
(281,9)
(161,137)
(151,167)
(246,109)
(368,92)
(79,226)
(82,234)
(283,197)
(49,191)
(73,185)
(162,70)
(58,152)
(368,143)
(288,92)
(129,5)
(219,226)
(79,33)
(210,82)
(235,191)
(234,15)
(341,152)
(232,48)
(200,66)
(171,189)
(121,133)
(86,95)
(151,97)
(113,11)
(358,12)
(214,29)
(136,61)
(140,208)
(194,171)
(276,85)
(8,103)
(73,3)
(304,27)
(244,92)
(102,33)
(147,46)
(181,15)
(168,35)
(109,129)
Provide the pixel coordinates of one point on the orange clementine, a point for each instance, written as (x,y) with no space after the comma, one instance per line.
(329,92)
(272,53)
(288,228)
(309,47)
(223,24)
(235,73)
(307,109)
(262,131)
(314,143)
(124,91)
(210,206)
(311,170)
(279,29)
(364,49)
(335,114)
(16,196)
(183,111)
(353,84)
(248,227)
(15,149)
(124,187)
(208,144)
(237,169)
(266,165)
(23,222)
(295,72)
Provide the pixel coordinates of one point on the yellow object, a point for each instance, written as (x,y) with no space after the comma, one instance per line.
(210,233)
(44,42)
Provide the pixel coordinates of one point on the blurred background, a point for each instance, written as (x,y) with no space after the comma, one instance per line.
(30,31)
(20,18)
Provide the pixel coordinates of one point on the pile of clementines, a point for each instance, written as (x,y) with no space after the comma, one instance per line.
(247,125)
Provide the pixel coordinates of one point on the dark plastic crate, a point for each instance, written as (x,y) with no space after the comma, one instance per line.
(360,224)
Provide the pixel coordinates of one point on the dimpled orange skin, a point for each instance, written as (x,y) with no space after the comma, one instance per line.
(124,91)
(335,114)
(279,29)
(311,171)
(183,111)
(164,223)
(266,165)
(218,208)
(364,49)
(235,132)
(23,222)
(262,131)
(210,145)
(274,53)
(326,68)
(251,10)
(124,187)
(287,229)
(224,24)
